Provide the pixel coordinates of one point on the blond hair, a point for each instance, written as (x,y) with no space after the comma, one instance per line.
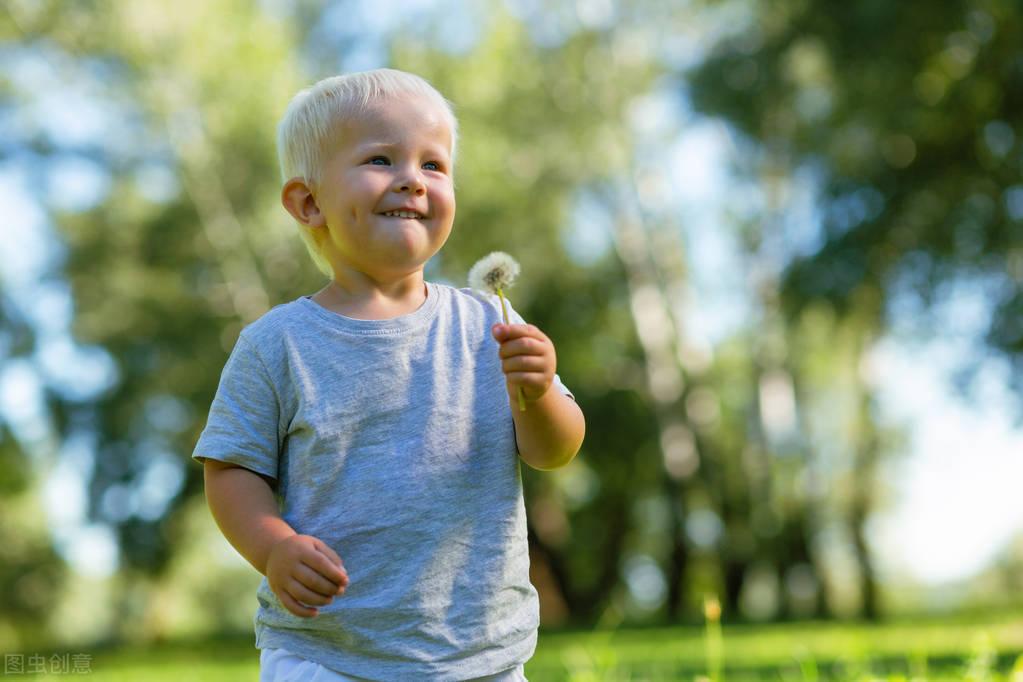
(311,124)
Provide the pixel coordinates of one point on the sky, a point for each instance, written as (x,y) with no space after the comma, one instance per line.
(948,515)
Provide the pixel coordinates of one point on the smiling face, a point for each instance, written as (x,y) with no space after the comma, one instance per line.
(386,194)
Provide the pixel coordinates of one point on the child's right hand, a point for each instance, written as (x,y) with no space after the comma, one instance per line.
(301,570)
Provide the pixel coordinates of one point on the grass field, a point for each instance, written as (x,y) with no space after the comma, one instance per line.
(906,651)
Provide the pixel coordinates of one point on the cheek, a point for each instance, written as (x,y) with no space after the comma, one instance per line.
(444,200)
(363,192)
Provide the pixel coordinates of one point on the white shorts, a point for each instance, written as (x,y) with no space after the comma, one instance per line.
(280,665)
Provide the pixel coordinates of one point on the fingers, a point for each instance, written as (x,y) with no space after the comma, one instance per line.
(329,565)
(308,588)
(298,609)
(525,346)
(525,363)
(302,594)
(324,548)
(527,357)
(316,582)
(522,340)
(305,573)
(509,332)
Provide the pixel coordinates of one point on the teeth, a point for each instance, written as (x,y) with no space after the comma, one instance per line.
(402,214)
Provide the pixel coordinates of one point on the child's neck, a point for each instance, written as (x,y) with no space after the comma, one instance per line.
(376,302)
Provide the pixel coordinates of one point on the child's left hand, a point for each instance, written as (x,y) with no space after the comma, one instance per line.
(527,359)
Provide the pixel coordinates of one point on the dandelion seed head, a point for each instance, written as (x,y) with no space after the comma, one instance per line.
(494,271)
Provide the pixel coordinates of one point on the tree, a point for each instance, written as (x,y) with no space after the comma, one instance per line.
(909,117)
(906,118)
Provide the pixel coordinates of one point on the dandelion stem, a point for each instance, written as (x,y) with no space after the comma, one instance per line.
(504,306)
(504,310)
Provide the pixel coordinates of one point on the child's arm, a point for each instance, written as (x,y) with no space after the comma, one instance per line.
(300,569)
(550,431)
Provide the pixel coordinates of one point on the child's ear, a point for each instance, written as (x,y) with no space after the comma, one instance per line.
(299,201)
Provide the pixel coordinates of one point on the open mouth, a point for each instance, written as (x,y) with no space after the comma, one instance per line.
(403,214)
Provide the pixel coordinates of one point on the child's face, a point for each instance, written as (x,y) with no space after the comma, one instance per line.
(395,157)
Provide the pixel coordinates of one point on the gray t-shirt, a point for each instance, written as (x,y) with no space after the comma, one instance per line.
(392,441)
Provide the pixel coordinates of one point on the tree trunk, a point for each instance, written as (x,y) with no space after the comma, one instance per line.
(585,603)
(678,558)
(864,480)
(658,327)
(864,560)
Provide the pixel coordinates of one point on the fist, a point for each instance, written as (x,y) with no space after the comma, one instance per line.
(305,573)
(527,359)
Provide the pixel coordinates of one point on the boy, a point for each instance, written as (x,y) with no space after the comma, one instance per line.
(362,448)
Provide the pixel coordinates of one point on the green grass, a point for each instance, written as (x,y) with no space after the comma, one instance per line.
(905,651)
(910,650)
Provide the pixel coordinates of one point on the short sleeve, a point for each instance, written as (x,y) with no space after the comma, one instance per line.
(515,318)
(242,427)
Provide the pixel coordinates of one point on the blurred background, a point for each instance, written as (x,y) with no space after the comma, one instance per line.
(778,244)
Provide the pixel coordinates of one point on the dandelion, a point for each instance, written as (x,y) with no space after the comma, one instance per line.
(492,274)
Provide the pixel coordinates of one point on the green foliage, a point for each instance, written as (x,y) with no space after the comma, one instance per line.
(909,115)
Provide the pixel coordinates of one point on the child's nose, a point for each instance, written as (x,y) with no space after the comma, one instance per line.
(415,188)
(412,182)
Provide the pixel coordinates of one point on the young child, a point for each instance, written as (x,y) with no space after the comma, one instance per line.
(362,447)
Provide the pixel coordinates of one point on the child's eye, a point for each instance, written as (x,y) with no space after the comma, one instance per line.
(431,165)
(378,161)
